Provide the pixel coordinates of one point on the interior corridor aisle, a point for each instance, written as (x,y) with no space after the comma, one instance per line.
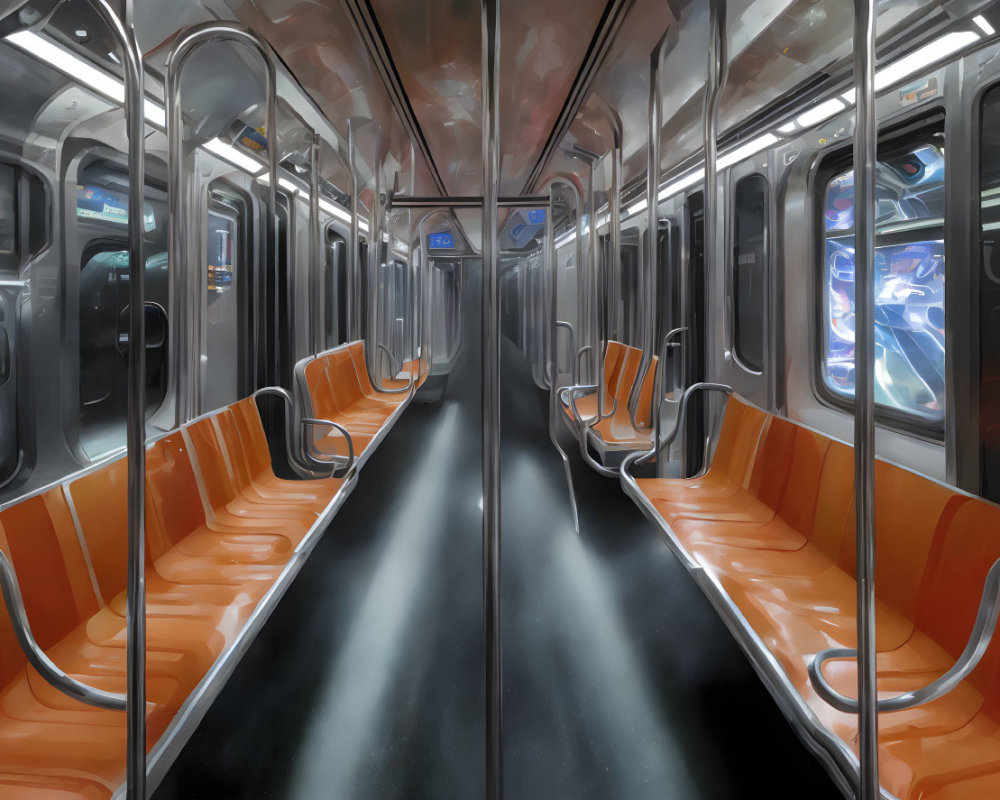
(621,683)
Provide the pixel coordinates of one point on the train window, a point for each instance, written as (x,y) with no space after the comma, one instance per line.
(750,221)
(23,216)
(989,295)
(335,290)
(909,276)
(223,309)
(631,302)
(8,211)
(103,297)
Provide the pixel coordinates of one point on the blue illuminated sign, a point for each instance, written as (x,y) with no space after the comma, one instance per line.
(536,216)
(441,241)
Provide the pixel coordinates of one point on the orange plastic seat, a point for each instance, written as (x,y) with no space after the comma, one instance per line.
(779,542)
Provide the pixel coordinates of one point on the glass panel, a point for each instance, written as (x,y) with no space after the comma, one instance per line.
(8,210)
(909,325)
(909,283)
(221,354)
(749,256)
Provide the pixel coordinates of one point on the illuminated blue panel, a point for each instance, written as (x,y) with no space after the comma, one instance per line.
(441,241)
(536,216)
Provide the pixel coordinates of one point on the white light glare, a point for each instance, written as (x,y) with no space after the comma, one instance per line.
(747,150)
(80,71)
(637,208)
(983,25)
(284,183)
(820,113)
(681,183)
(233,156)
(917,61)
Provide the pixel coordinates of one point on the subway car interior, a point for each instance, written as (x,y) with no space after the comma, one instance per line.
(413,400)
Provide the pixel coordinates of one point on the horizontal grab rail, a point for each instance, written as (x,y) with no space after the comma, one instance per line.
(979,641)
(338,472)
(37,657)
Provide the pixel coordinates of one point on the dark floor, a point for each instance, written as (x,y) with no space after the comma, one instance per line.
(367,682)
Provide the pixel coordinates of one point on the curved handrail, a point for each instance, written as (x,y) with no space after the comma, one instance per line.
(37,657)
(979,641)
(581,353)
(574,366)
(338,472)
(583,427)
(183,47)
(704,386)
(660,378)
(389,357)
(304,464)
(409,388)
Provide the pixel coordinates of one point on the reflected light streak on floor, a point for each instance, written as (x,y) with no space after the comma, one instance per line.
(354,698)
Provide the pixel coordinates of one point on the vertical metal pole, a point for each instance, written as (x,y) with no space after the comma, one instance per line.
(316,252)
(354,268)
(718,58)
(135,599)
(614,259)
(718,65)
(865,154)
(590,333)
(491,403)
(373,299)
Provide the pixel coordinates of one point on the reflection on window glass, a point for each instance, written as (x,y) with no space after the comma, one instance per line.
(749,253)
(8,210)
(220,357)
(909,277)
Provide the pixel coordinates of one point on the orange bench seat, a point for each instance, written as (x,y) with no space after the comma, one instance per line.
(771,527)
(335,386)
(221,530)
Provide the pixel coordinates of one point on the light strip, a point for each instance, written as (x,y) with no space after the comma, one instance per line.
(72,66)
(747,150)
(680,184)
(820,113)
(284,183)
(983,24)
(233,156)
(917,61)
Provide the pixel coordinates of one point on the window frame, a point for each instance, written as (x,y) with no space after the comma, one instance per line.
(742,362)
(903,135)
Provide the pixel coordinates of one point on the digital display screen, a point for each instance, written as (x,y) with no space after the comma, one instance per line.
(441,241)
(92,202)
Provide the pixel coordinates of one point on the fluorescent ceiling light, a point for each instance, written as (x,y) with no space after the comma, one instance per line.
(154,113)
(82,72)
(747,150)
(918,60)
(788,127)
(681,183)
(284,183)
(820,113)
(566,238)
(69,64)
(335,211)
(983,25)
(637,208)
(233,156)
